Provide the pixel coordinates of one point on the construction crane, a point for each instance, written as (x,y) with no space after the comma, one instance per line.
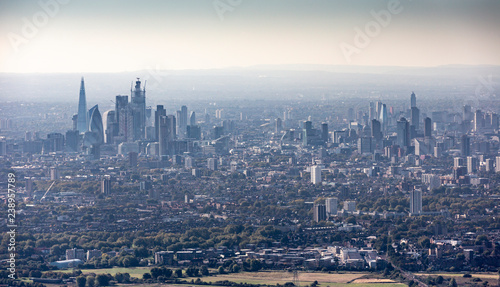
(48,189)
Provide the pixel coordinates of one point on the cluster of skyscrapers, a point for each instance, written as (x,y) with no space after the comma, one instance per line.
(130,126)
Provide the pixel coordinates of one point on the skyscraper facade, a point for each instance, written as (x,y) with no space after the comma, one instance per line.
(192,119)
(465,146)
(82,120)
(403,133)
(95,125)
(315,174)
(331,205)
(427,127)
(319,212)
(416,201)
(160,111)
(138,105)
(415,117)
(166,135)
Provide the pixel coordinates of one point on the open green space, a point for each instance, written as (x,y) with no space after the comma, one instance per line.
(133,271)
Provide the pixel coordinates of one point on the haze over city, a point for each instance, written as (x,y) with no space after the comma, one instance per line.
(116,36)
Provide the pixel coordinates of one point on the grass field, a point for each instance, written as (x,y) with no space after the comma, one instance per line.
(133,271)
(305,278)
(354,279)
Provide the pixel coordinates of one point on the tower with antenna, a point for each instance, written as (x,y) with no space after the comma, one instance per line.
(138,105)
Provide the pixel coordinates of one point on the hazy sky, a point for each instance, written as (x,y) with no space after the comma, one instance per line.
(124,35)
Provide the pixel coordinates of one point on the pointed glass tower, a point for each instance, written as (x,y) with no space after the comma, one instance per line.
(83,120)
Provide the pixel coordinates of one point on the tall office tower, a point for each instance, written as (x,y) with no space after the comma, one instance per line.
(109,126)
(366,145)
(478,121)
(74,119)
(126,124)
(219,113)
(315,174)
(371,112)
(416,201)
(138,105)
(54,173)
(3,147)
(413,100)
(324,132)
(193,132)
(465,145)
(212,163)
(319,212)
(350,206)
(472,164)
(95,125)
(415,117)
(467,113)
(83,120)
(497,164)
(458,162)
(376,131)
(184,119)
(427,127)
(72,141)
(383,118)
(331,205)
(403,133)
(307,132)
(378,109)
(55,142)
(121,103)
(94,137)
(29,186)
(166,135)
(192,119)
(489,165)
(160,111)
(178,123)
(278,126)
(105,185)
(487,120)
(494,121)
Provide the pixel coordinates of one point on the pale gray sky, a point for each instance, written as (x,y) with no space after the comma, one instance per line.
(125,35)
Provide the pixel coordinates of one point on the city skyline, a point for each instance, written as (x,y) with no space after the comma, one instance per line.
(76,36)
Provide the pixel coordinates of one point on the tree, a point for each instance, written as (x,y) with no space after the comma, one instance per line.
(204,271)
(235,268)
(453,283)
(155,272)
(80,281)
(424,242)
(124,277)
(90,281)
(102,280)
(178,273)
(35,273)
(221,270)
(255,265)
